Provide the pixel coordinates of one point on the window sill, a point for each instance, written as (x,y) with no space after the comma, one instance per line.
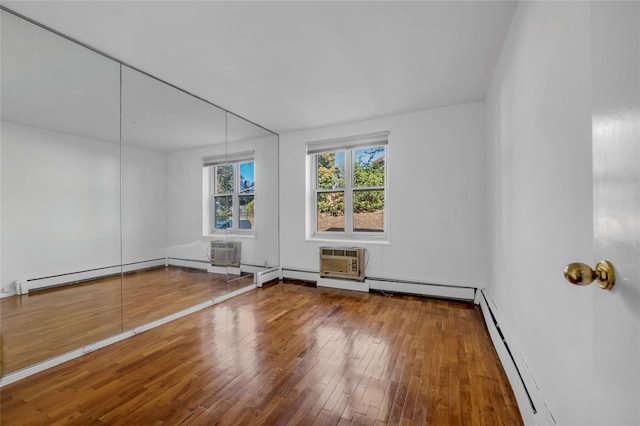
(234,234)
(360,239)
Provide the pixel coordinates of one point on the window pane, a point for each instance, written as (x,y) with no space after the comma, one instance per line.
(246,219)
(330,170)
(247,180)
(223,211)
(368,166)
(368,211)
(331,211)
(224,179)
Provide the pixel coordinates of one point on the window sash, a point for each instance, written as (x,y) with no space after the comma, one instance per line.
(212,164)
(349,186)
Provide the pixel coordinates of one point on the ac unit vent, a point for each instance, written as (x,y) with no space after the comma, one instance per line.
(225,253)
(342,263)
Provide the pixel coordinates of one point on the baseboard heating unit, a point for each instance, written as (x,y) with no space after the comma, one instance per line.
(24,286)
(532,407)
(188,263)
(443,291)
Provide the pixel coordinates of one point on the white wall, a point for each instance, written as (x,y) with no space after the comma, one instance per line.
(60,203)
(184,212)
(144,204)
(540,207)
(435,196)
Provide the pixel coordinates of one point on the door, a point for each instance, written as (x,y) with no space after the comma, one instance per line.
(615,50)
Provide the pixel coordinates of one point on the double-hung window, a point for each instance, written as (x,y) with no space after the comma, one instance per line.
(348,194)
(229,193)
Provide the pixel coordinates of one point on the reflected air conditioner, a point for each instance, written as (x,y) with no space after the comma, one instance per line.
(225,253)
(344,263)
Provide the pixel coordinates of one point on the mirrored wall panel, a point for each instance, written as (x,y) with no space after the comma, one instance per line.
(252,155)
(125,200)
(60,153)
(191,173)
(165,133)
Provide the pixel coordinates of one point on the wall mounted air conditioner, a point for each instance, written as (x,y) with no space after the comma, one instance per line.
(225,253)
(344,263)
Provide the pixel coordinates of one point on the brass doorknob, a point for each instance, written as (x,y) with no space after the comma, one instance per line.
(582,274)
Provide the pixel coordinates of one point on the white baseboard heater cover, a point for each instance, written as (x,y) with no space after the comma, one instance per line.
(263,277)
(354,285)
(532,406)
(24,286)
(423,289)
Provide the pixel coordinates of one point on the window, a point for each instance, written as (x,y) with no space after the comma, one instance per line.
(349,186)
(229,183)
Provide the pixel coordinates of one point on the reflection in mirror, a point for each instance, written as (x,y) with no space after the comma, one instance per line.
(125,200)
(60,195)
(252,227)
(165,134)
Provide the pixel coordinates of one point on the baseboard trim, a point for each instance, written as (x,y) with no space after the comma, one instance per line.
(268,275)
(343,284)
(300,274)
(533,409)
(442,291)
(188,263)
(24,286)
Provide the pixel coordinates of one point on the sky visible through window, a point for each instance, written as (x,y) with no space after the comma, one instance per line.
(247,180)
(364,155)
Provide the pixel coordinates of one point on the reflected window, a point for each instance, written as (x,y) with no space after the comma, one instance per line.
(349,186)
(230,194)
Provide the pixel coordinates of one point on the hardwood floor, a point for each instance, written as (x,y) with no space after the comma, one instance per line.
(40,325)
(284,354)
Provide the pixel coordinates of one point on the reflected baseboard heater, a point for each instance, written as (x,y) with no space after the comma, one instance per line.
(225,253)
(24,286)
(343,263)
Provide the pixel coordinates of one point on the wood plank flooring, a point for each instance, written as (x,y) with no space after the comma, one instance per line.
(284,354)
(44,324)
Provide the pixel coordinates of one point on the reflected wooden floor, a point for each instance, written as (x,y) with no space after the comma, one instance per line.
(153,294)
(47,323)
(284,354)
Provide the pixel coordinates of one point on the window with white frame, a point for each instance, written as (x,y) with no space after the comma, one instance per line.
(348,178)
(229,192)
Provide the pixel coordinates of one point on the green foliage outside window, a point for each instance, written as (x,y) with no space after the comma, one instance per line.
(368,171)
(223,209)
(330,175)
(331,202)
(224,179)
(251,207)
(368,201)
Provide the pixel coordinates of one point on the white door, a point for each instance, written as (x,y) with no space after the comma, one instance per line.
(615,50)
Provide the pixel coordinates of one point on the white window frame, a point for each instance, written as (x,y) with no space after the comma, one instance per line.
(210,165)
(348,145)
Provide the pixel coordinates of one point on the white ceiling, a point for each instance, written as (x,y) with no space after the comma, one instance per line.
(298,65)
